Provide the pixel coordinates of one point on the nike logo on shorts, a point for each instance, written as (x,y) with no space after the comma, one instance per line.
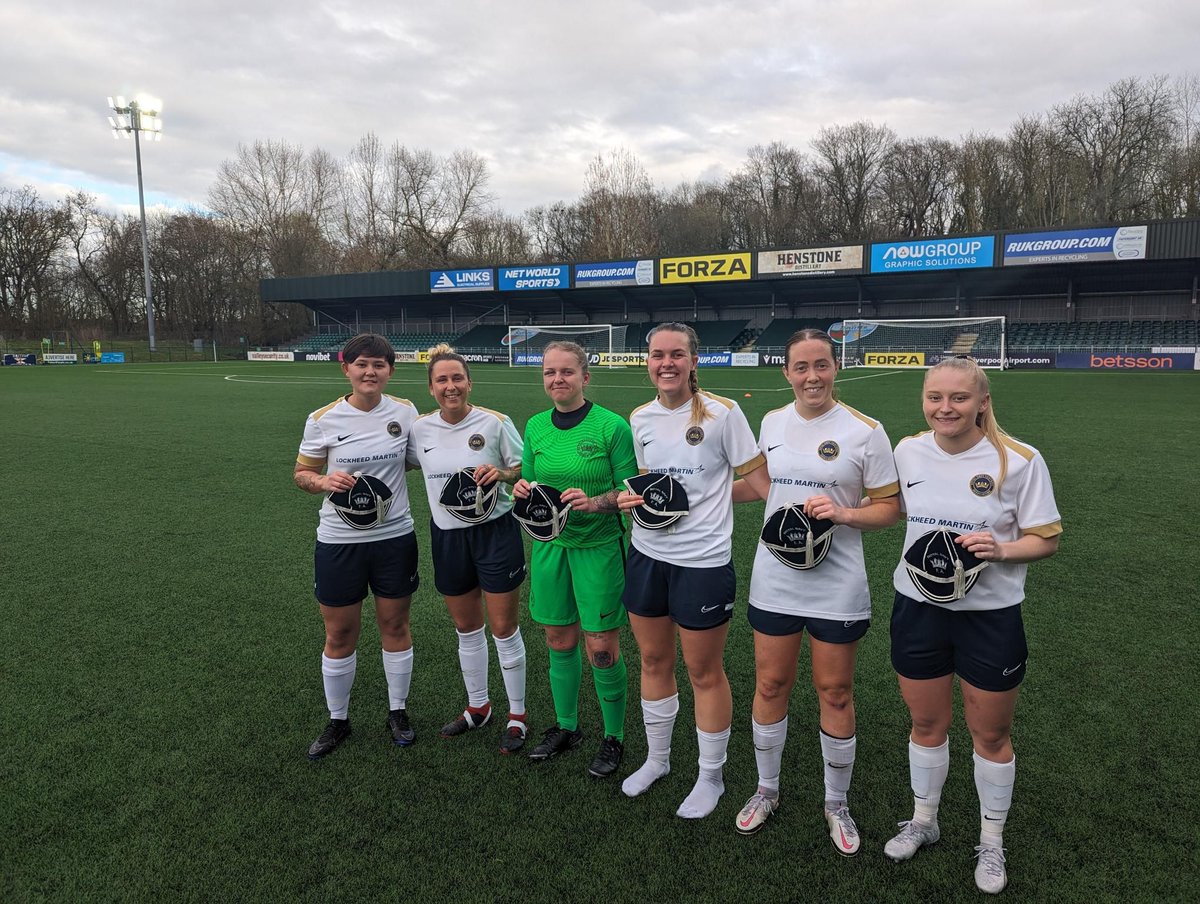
(513,574)
(604,615)
(1009,671)
(710,608)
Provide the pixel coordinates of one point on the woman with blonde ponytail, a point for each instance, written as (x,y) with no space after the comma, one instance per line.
(980,507)
(679,579)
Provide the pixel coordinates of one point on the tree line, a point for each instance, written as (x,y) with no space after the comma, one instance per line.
(1131,152)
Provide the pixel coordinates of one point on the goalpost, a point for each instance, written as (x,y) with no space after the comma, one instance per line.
(525,343)
(923,343)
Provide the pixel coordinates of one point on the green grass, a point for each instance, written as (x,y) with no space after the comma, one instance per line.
(161,672)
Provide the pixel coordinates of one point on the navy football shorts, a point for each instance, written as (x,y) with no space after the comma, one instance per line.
(345,571)
(694,598)
(984,648)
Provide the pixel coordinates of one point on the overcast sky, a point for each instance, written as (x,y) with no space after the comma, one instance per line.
(540,88)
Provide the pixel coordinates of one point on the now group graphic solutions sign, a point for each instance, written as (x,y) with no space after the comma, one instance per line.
(958,253)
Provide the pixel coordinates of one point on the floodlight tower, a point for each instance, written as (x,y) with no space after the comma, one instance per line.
(142,114)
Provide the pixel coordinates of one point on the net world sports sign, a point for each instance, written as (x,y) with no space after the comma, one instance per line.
(894,359)
(933,254)
(524,279)
(479,280)
(811,261)
(1109,243)
(614,273)
(708,268)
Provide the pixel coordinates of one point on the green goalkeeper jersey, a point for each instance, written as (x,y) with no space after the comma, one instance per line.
(595,455)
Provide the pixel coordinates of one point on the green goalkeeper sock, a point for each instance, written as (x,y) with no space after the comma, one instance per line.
(566,674)
(612,689)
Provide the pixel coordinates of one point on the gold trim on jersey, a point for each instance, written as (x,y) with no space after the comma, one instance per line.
(1045,531)
(421,417)
(310,462)
(640,407)
(752,465)
(499,415)
(912,436)
(728,403)
(884,492)
(862,417)
(321,412)
(1017,446)
(781,408)
(400,400)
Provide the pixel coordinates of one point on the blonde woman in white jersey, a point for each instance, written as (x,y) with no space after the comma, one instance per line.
(979,507)
(824,458)
(679,581)
(478,555)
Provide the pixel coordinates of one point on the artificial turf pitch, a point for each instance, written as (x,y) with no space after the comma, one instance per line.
(161,683)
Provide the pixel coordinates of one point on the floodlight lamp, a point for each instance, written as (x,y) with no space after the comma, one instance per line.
(112,122)
(111,104)
(121,105)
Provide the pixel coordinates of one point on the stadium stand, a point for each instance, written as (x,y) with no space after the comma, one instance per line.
(779,330)
(1103,334)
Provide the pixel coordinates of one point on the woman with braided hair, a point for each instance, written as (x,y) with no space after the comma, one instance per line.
(679,580)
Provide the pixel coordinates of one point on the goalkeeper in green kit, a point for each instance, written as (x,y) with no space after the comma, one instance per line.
(584,452)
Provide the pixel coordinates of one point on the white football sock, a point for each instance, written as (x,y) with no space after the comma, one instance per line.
(768,752)
(397,669)
(710,784)
(473,659)
(838,754)
(511,653)
(994,784)
(659,718)
(927,770)
(338,676)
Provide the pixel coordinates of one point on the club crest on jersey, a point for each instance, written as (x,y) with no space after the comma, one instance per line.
(982,484)
(694,435)
(475,443)
(586,448)
(393,428)
(829,450)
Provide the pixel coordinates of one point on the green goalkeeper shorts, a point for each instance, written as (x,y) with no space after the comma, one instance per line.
(578,585)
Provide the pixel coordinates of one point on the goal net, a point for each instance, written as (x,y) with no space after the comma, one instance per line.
(525,343)
(922,343)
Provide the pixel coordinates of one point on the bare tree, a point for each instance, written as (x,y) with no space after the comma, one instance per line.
(850,167)
(917,186)
(32,235)
(983,185)
(769,199)
(1118,137)
(619,209)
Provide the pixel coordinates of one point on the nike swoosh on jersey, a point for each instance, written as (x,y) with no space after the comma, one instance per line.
(913,483)
(428,448)
(774,447)
(342,439)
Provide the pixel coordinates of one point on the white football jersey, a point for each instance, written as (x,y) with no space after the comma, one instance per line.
(841,454)
(339,437)
(940,491)
(703,458)
(439,449)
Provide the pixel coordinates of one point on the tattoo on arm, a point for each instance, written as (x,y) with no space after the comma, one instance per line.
(606,502)
(309,481)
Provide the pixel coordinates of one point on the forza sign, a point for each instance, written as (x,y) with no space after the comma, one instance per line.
(709,268)
(894,359)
